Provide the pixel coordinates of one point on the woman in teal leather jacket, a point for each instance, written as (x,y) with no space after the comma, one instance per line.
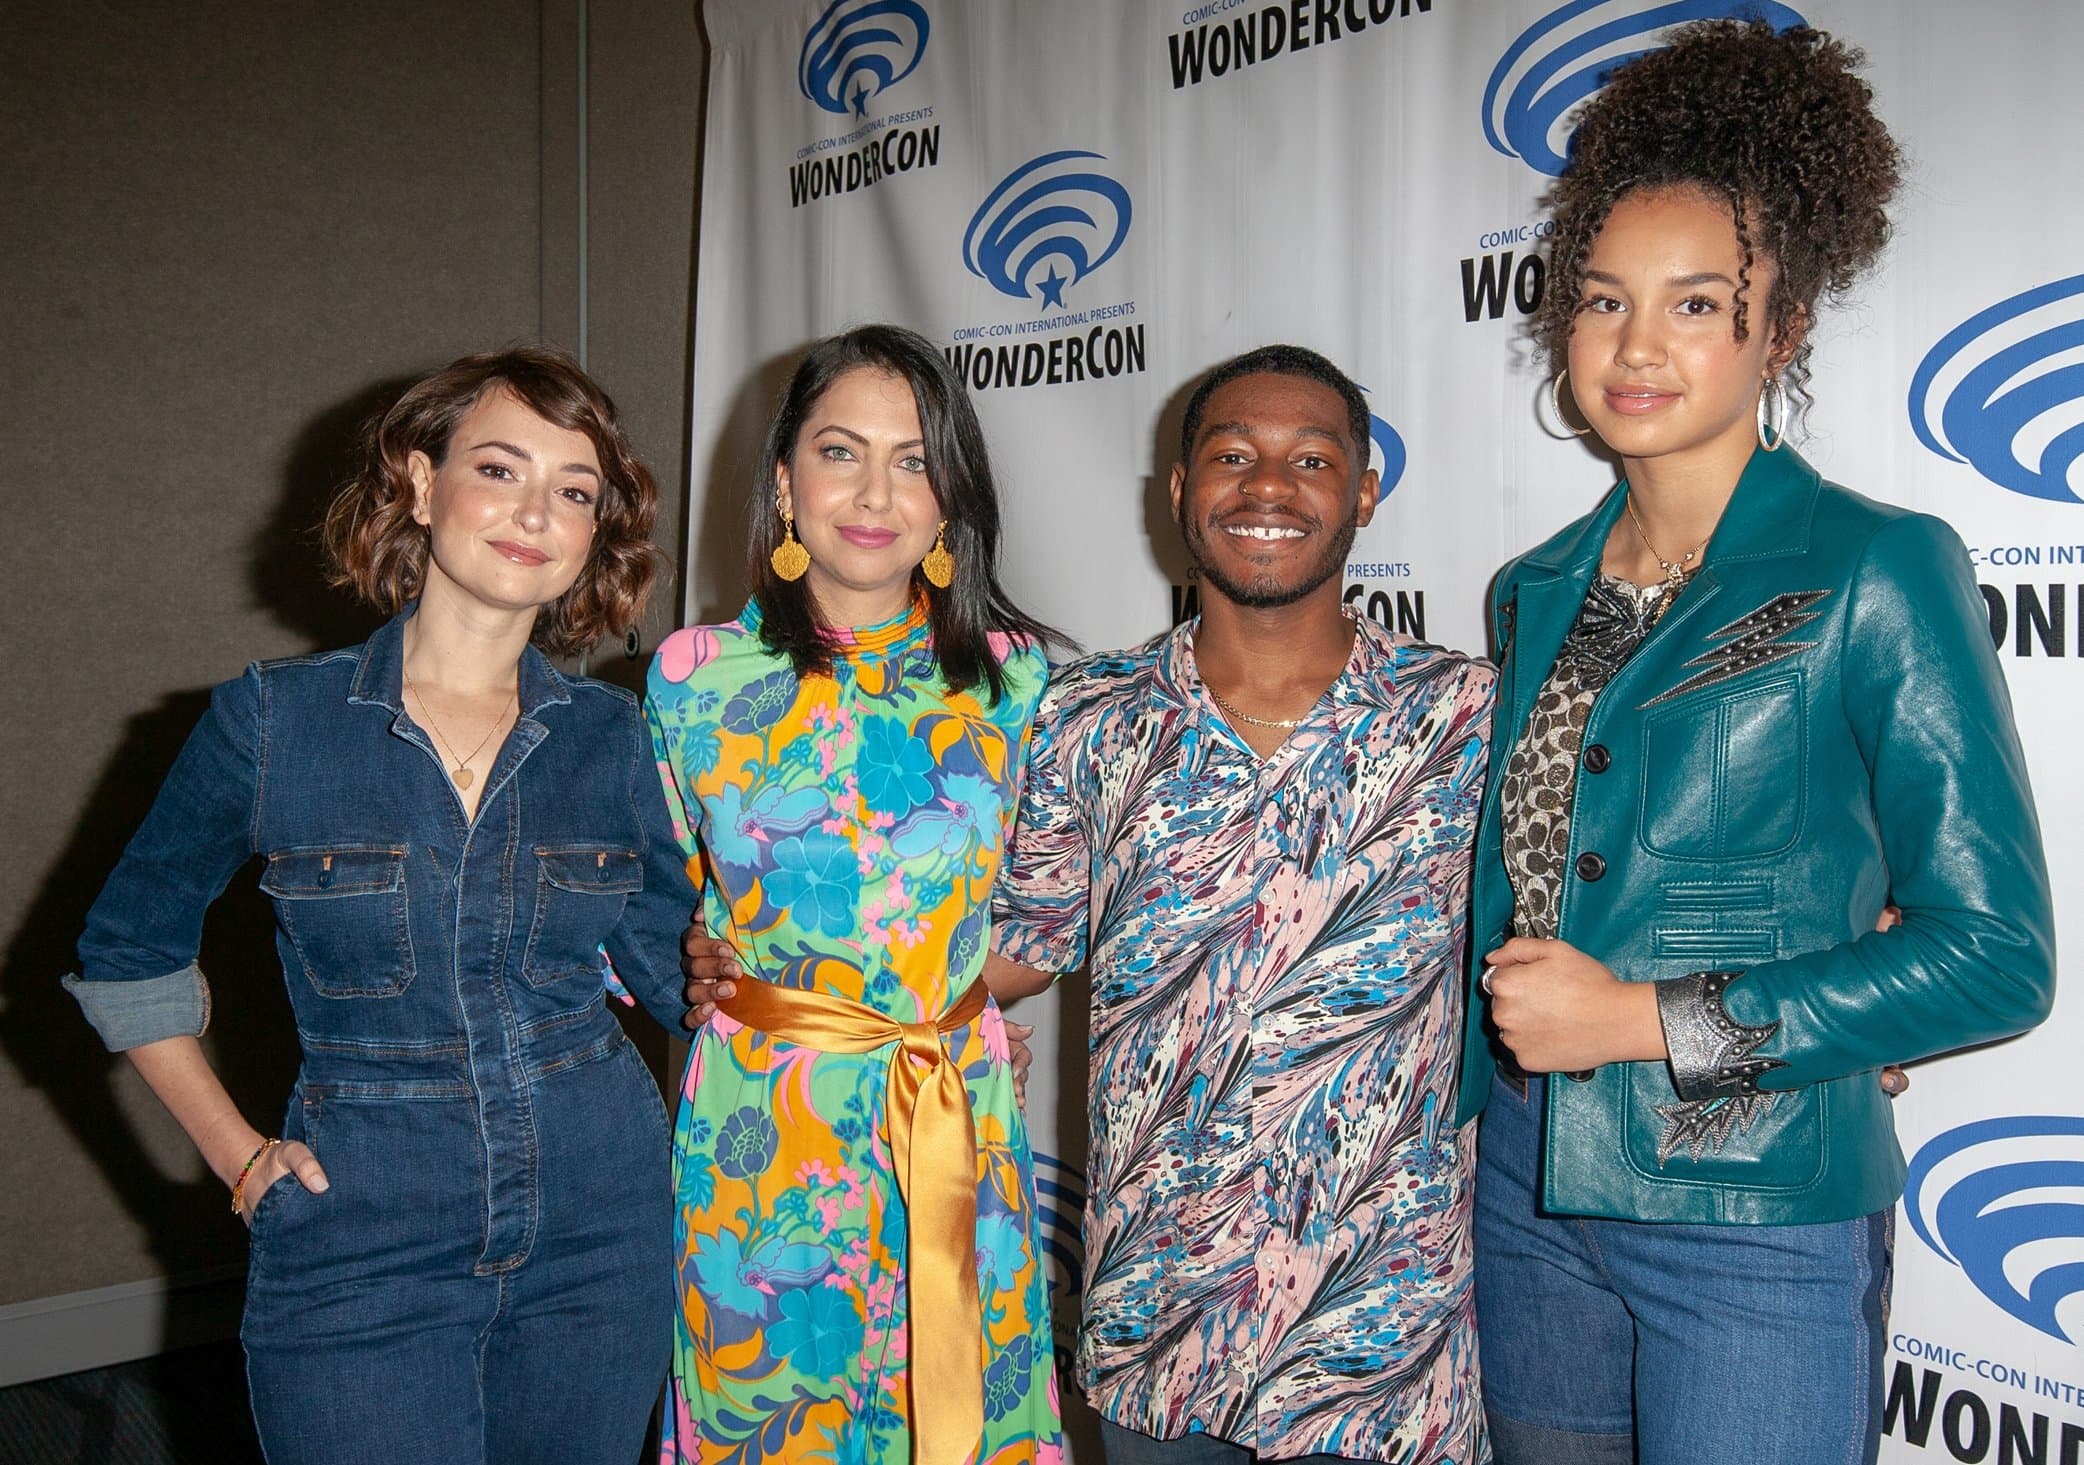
(1741,711)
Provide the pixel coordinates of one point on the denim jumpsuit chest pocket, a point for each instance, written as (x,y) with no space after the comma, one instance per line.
(342,911)
(577,888)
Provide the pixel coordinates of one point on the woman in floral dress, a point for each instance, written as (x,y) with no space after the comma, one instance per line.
(844,759)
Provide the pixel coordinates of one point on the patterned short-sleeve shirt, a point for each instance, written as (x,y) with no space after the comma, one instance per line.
(1277,1234)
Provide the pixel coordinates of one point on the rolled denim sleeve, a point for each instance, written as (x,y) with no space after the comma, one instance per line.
(138,981)
(132,1014)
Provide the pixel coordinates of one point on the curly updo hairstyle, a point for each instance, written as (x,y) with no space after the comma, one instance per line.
(1777,125)
(376,550)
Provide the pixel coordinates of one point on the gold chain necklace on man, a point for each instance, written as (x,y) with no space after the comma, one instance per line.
(1674,574)
(1284,724)
(462,775)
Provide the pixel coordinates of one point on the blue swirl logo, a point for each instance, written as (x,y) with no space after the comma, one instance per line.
(1056,210)
(1388,457)
(1997,1200)
(2004,393)
(1570,53)
(859,49)
(1060,1210)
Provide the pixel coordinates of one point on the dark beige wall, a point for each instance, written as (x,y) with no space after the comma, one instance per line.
(227,231)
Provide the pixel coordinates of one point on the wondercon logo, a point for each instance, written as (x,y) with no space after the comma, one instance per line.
(2004,393)
(1388,456)
(858,49)
(1060,1208)
(1057,210)
(1570,53)
(2003,1200)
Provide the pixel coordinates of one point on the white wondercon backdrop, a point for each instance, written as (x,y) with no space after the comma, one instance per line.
(1344,196)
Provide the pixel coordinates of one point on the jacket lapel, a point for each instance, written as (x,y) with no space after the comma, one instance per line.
(1551,585)
(1769,516)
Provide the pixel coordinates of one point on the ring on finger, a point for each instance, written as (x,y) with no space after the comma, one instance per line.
(1485,981)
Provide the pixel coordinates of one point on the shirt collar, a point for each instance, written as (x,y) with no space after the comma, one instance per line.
(380,673)
(885,642)
(1369,679)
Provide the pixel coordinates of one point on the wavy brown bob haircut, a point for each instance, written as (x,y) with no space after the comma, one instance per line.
(375,549)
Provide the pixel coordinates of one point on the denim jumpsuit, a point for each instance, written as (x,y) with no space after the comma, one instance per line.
(489,1277)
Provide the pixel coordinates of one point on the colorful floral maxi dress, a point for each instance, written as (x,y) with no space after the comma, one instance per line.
(848,829)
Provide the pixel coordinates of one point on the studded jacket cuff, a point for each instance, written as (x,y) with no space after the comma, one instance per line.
(1712,1055)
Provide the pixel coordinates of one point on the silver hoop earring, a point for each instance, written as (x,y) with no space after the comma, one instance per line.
(1556,401)
(1772,420)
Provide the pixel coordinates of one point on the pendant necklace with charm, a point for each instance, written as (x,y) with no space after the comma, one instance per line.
(1674,572)
(462,775)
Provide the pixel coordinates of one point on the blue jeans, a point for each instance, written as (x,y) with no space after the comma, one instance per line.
(1129,1447)
(379,1331)
(1632,1343)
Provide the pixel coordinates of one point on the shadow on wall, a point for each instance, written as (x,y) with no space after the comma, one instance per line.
(188,1234)
(287,571)
(1160,528)
(1070,1000)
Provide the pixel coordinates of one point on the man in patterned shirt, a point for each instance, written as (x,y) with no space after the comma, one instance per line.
(1255,834)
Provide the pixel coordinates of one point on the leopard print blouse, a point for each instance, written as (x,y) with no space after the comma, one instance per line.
(1541,776)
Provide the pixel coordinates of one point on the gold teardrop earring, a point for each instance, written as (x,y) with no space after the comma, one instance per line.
(790,559)
(939,566)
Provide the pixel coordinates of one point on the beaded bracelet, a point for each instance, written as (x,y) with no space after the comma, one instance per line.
(239,1185)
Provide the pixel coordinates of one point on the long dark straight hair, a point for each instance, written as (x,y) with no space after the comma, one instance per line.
(958,467)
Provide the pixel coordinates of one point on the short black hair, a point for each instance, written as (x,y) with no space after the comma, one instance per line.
(1280,361)
(972,609)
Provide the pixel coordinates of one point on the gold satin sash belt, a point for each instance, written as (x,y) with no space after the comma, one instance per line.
(933,1148)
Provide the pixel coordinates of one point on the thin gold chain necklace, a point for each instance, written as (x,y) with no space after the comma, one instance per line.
(462,775)
(1674,573)
(1284,724)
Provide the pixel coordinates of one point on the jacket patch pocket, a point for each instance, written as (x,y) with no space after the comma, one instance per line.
(1770,1140)
(580,891)
(343,909)
(1726,778)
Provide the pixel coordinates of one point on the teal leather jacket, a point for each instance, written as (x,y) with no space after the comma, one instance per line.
(1818,728)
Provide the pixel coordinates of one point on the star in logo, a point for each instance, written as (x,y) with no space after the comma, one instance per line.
(861,99)
(1057,212)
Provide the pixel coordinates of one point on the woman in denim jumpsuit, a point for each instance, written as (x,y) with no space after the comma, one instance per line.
(461,1247)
